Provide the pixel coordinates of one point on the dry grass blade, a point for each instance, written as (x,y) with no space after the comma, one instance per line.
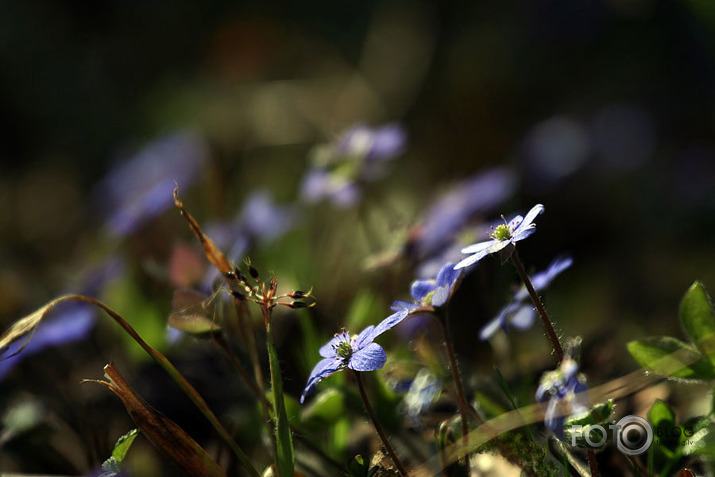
(215,256)
(162,432)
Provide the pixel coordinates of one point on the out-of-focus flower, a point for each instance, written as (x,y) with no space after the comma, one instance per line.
(519,313)
(424,388)
(260,220)
(624,137)
(556,148)
(477,195)
(69,323)
(563,388)
(359,353)
(357,156)
(141,188)
(504,235)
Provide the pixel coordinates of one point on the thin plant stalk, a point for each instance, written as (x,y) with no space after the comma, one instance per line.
(592,463)
(283,440)
(221,343)
(548,326)
(383,437)
(249,337)
(185,386)
(457,378)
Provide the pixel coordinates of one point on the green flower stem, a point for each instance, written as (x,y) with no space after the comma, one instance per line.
(378,428)
(548,326)
(284,442)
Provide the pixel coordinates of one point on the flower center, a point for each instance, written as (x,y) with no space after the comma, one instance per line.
(344,350)
(501,233)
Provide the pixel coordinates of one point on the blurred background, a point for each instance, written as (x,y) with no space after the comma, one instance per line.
(602,110)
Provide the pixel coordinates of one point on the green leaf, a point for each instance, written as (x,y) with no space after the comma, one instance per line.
(123,444)
(324,409)
(112,467)
(661,414)
(284,441)
(696,315)
(662,418)
(671,357)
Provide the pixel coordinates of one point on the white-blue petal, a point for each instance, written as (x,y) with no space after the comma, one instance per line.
(471,260)
(531,215)
(477,247)
(490,328)
(523,317)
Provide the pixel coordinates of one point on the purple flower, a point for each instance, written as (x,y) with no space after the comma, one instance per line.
(141,188)
(357,156)
(447,215)
(370,144)
(519,313)
(358,353)
(260,220)
(504,235)
(424,388)
(563,388)
(430,293)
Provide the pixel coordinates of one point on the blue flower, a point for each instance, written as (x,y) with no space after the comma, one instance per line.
(357,156)
(424,388)
(358,353)
(377,144)
(504,235)
(563,388)
(259,221)
(430,293)
(519,313)
(448,214)
(141,188)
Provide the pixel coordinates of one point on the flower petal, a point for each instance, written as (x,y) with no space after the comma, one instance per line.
(399,305)
(471,260)
(369,358)
(322,370)
(523,233)
(421,288)
(447,275)
(478,247)
(490,328)
(514,223)
(440,296)
(523,317)
(530,216)
(363,338)
(389,322)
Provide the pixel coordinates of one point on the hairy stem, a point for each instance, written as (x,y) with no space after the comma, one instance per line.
(548,326)
(592,463)
(462,403)
(378,427)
